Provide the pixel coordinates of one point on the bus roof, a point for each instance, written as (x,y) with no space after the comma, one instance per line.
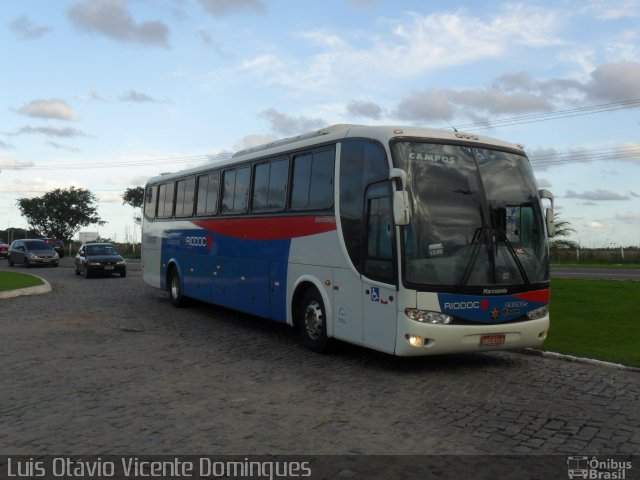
(337,132)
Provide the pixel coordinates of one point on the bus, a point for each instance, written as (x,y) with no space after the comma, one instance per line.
(406,240)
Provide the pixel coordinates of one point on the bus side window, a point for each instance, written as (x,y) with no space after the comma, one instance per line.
(180,189)
(207,203)
(312,183)
(270,186)
(378,263)
(236,190)
(150,202)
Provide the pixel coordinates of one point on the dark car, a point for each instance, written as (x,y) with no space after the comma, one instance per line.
(32,252)
(56,244)
(4,249)
(100,259)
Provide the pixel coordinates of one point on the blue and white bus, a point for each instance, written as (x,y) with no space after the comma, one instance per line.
(410,241)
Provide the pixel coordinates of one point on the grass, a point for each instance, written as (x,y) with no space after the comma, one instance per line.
(13,280)
(595,319)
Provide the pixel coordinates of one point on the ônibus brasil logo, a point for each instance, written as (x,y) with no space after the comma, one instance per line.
(593,468)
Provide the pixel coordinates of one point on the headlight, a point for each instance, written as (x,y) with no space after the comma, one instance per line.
(426,316)
(538,313)
(32,255)
(94,264)
(122,262)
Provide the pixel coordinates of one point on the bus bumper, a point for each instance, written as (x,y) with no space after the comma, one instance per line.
(416,338)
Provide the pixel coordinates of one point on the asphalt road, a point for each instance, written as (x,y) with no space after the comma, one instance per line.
(596,273)
(108,366)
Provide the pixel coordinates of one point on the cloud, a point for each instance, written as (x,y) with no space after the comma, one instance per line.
(543,183)
(9,164)
(220,8)
(362,3)
(49,131)
(631,218)
(286,125)
(112,19)
(519,93)
(615,82)
(496,101)
(598,195)
(364,109)
(26,30)
(614,10)
(595,224)
(133,96)
(59,146)
(253,140)
(5,146)
(430,104)
(51,109)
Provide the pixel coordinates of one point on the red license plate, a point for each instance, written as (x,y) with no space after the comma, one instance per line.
(492,340)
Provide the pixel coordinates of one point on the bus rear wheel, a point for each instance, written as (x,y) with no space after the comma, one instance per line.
(175,292)
(313,321)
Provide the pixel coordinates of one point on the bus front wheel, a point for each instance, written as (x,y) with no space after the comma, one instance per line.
(175,292)
(313,321)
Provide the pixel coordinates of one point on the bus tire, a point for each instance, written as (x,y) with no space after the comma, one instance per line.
(313,321)
(175,291)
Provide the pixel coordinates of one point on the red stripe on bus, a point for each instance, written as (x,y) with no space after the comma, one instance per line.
(269,228)
(540,296)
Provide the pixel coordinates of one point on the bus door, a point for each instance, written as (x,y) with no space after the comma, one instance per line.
(379,273)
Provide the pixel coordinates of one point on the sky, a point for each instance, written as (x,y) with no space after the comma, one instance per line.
(104,94)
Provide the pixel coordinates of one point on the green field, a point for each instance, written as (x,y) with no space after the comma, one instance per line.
(595,319)
(13,280)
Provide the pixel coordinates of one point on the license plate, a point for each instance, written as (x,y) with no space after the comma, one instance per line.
(108,267)
(492,340)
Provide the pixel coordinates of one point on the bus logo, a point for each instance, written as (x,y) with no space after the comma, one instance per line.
(578,467)
(197,241)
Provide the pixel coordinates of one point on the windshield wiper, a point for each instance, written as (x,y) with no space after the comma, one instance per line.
(502,235)
(477,245)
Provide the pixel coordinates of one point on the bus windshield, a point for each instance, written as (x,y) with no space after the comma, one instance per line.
(476,218)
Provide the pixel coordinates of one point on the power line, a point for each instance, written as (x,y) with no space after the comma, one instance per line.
(132,163)
(544,117)
(619,153)
(504,122)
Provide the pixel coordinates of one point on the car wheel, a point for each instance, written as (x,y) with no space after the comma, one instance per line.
(312,320)
(87,273)
(11,264)
(123,273)
(25,262)
(77,269)
(175,291)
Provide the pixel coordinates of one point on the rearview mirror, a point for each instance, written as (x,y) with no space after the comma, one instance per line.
(551,225)
(401,212)
(548,216)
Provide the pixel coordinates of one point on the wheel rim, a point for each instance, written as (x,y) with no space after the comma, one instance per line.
(175,287)
(313,320)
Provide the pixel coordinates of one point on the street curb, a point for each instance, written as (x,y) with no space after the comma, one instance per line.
(37,290)
(571,358)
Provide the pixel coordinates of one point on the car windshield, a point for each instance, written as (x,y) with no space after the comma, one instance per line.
(37,245)
(476,218)
(101,250)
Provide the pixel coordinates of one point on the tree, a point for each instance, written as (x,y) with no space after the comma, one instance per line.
(61,212)
(563,229)
(135,198)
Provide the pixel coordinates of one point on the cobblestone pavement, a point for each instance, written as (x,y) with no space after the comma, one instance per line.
(107,365)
